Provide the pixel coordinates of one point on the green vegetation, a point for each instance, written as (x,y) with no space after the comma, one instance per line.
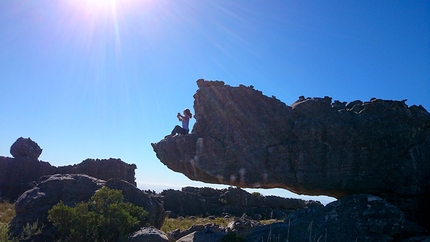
(29,230)
(257,194)
(104,218)
(105,203)
(232,237)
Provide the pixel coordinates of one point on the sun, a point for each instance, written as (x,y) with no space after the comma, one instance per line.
(99,5)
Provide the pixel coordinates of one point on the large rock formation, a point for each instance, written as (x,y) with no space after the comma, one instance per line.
(315,146)
(33,205)
(20,173)
(359,217)
(192,201)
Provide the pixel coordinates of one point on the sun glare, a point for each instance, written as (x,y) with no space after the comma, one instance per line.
(100,24)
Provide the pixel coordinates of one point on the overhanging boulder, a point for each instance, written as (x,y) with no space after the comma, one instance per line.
(315,146)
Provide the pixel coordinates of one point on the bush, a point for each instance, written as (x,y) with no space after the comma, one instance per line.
(232,237)
(104,218)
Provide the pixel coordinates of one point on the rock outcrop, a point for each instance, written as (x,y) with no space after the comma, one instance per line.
(315,146)
(202,202)
(359,217)
(34,204)
(22,172)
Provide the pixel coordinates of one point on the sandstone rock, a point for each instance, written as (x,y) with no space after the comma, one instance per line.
(104,169)
(243,225)
(25,147)
(34,204)
(359,217)
(313,147)
(202,236)
(207,228)
(20,173)
(17,174)
(148,234)
(203,202)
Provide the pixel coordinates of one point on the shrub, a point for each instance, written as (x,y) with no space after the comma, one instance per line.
(232,237)
(256,194)
(104,218)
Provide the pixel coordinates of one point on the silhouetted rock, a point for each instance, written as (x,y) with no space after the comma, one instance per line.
(25,147)
(19,174)
(104,169)
(33,205)
(148,234)
(359,217)
(314,147)
(192,201)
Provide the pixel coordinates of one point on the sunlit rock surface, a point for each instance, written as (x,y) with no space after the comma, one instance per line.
(316,146)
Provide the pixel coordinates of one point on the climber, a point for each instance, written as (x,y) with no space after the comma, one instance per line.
(185,119)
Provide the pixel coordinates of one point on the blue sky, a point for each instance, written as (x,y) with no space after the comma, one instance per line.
(105,78)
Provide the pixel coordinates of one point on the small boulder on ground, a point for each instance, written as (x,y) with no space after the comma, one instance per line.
(203,236)
(148,234)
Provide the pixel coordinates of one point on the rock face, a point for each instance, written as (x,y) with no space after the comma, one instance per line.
(192,201)
(315,146)
(19,174)
(34,204)
(359,217)
(25,148)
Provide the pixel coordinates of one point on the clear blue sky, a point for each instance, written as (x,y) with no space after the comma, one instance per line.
(105,78)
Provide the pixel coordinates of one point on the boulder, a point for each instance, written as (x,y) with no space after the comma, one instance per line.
(202,236)
(148,234)
(176,234)
(314,147)
(25,147)
(359,217)
(34,204)
(243,225)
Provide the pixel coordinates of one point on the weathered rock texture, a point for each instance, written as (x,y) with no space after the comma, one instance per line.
(315,146)
(25,147)
(21,173)
(192,201)
(148,234)
(359,217)
(34,204)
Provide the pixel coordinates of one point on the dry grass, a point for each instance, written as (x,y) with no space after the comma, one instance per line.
(171,224)
(7,212)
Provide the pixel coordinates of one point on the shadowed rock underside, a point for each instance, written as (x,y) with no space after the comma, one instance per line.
(315,146)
